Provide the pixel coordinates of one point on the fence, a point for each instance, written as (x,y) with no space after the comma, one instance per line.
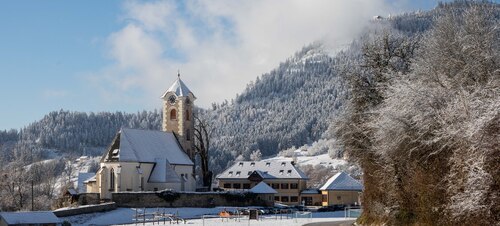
(352,212)
(141,216)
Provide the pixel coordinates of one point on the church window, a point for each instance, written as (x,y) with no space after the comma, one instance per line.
(187,115)
(112,179)
(188,135)
(173,114)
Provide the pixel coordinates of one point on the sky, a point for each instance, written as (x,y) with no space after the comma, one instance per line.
(122,55)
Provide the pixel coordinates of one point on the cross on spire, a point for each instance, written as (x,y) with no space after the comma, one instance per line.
(178,73)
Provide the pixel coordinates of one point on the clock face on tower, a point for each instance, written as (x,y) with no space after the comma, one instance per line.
(171,99)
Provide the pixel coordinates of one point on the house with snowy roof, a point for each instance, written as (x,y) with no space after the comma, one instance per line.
(147,160)
(283,176)
(341,189)
(37,218)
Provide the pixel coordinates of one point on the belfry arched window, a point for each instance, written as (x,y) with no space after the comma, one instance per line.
(187,115)
(173,114)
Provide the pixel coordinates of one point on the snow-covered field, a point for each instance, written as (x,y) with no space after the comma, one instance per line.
(194,217)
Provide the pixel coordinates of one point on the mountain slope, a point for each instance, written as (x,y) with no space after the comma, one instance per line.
(290,106)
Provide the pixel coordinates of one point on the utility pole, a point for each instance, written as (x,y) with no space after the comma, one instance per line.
(32,196)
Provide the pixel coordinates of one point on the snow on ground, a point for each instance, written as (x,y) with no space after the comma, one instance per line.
(194,215)
(323,159)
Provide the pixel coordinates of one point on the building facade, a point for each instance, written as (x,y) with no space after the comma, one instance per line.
(146,160)
(341,189)
(284,177)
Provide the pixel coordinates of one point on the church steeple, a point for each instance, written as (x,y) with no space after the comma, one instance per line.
(178,114)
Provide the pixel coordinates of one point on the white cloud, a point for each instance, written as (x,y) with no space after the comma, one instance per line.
(220,46)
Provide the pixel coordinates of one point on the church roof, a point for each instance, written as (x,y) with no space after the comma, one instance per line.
(342,181)
(163,172)
(265,169)
(179,88)
(149,146)
(263,188)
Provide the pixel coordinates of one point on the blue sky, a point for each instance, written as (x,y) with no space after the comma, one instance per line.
(121,55)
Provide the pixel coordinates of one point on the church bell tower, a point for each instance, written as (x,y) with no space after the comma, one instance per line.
(178,103)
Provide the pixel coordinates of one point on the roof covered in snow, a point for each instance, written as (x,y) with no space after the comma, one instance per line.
(150,146)
(342,181)
(163,172)
(262,188)
(39,217)
(265,169)
(179,88)
(82,177)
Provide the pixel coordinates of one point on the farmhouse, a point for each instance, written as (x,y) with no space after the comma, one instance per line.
(146,160)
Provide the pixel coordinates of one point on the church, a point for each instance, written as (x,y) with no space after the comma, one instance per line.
(147,160)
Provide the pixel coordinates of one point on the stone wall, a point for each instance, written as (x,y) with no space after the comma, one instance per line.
(190,199)
(88,199)
(84,209)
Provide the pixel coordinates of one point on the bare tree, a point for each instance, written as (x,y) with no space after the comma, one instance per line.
(202,145)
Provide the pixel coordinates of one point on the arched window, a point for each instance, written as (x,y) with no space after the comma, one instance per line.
(188,135)
(112,179)
(173,114)
(187,115)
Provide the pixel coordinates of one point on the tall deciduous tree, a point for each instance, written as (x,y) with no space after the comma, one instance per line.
(202,145)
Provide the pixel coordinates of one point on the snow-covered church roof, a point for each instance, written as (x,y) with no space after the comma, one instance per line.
(179,88)
(263,188)
(137,145)
(342,181)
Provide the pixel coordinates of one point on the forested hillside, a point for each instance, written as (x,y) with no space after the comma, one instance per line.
(72,133)
(290,106)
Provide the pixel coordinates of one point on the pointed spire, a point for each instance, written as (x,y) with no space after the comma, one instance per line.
(178,87)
